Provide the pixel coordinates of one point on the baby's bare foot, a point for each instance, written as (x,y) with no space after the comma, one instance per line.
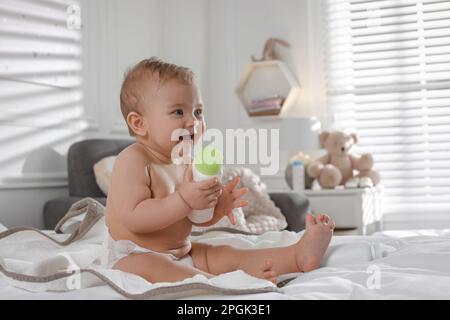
(310,249)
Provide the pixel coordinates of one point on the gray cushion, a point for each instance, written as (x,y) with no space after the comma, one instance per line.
(80,163)
(294,207)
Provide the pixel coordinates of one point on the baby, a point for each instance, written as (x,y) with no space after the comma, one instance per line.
(150,197)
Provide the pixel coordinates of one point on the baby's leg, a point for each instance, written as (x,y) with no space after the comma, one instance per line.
(157,268)
(220,259)
(303,256)
(261,263)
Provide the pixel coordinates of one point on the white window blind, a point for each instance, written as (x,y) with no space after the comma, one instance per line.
(40,42)
(41,63)
(42,94)
(388,77)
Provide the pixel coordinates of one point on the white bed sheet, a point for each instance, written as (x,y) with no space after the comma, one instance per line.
(389,265)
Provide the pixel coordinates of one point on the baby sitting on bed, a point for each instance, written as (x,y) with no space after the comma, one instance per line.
(150,197)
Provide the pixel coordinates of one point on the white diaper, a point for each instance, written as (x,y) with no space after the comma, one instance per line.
(123,248)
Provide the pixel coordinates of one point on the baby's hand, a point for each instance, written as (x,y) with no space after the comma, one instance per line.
(229,200)
(199,195)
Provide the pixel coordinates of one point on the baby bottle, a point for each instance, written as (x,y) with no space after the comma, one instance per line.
(298,176)
(207,165)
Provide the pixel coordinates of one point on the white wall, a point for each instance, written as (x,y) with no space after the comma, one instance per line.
(214,37)
(239,29)
(129,31)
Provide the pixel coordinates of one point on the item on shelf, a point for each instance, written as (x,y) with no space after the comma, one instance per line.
(278,99)
(265,88)
(298,176)
(306,160)
(271,103)
(338,165)
(269,52)
(267,104)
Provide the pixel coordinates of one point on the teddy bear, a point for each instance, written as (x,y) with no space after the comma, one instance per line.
(338,165)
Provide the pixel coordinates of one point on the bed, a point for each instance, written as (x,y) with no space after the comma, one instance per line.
(39,264)
(386,265)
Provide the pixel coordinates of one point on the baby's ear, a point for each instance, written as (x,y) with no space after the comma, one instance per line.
(136,123)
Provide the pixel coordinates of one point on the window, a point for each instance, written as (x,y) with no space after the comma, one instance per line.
(388,77)
(41,42)
(42,94)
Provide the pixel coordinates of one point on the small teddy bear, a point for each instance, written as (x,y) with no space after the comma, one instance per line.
(338,165)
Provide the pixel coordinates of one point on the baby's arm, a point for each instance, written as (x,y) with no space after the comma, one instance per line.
(129,194)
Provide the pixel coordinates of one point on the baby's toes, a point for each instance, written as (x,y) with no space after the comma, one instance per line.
(323,218)
(332,225)
(267,266)
(329,222)
(267,271)
(273,280)
(271,276)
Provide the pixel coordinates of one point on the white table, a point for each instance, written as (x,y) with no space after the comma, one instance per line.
(355,211)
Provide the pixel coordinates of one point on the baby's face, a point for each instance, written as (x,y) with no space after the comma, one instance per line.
(171,106)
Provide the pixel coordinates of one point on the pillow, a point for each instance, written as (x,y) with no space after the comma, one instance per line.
(102,172)
(261,214)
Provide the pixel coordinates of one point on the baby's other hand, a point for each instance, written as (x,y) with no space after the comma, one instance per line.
(199,195)
(230,200)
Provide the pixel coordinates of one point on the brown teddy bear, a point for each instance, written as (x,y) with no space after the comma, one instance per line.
(338,165)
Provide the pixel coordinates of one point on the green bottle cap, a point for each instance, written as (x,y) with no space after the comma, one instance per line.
(209,161)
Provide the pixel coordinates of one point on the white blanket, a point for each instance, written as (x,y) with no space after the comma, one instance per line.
(76,259)
(409,266)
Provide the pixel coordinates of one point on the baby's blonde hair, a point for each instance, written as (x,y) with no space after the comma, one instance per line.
(130,93)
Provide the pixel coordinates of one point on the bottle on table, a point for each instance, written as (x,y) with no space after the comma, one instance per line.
(298,176)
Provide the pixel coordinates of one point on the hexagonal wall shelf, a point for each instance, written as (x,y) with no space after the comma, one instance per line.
(267,80)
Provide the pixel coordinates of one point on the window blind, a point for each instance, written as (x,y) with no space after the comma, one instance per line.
(388,78)
(42,94)
(41,42)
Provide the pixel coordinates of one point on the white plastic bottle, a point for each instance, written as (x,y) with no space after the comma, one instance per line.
(298,176)
(207,165)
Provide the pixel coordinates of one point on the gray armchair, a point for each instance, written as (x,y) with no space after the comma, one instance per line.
(80,163)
